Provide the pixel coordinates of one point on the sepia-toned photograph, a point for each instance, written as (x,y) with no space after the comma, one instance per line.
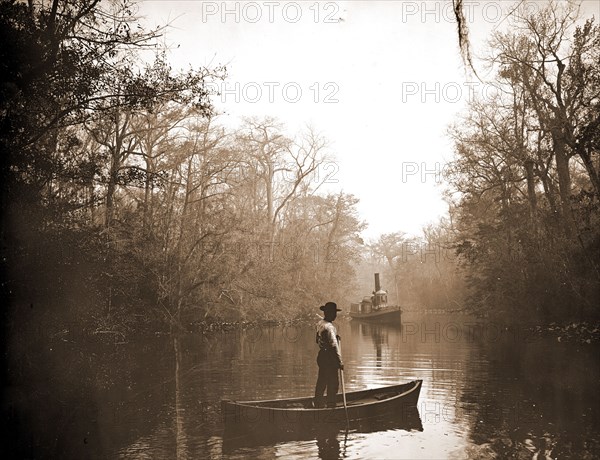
(300,229)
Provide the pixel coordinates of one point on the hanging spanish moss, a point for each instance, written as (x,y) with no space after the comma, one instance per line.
(463,33)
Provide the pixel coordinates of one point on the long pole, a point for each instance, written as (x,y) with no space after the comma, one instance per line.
(344,389)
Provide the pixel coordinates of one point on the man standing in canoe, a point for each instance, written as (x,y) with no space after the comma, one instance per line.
(329,358)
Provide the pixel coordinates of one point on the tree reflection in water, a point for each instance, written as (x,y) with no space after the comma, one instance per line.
(180,436)
(538,399)
(160,397)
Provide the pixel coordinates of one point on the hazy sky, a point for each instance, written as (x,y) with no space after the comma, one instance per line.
(380,80)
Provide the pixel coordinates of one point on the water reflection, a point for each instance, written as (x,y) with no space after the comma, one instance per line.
(543,402)
(479,399)
(331,440)
(328,444)
(378,333)
(180,436)
(161,398)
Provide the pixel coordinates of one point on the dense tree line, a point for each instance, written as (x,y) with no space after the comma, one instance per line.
(524,183)
(522,239)
(127,202)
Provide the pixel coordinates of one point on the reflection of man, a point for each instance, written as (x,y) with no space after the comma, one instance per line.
(327,441)
(329,358)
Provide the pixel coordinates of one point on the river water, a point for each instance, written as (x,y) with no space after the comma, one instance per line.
(487,392)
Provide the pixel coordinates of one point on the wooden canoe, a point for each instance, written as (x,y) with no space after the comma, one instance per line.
(298,412)
(386,314)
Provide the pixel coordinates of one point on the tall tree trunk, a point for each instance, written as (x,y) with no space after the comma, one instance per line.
(178,301)
(564,182)
(270,209)
(329,262)
(549,190)
(112,185)
(116,159)
(148,194)
(531,192)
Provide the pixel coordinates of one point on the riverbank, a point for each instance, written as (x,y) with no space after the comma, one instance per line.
(582,332)
(579,332)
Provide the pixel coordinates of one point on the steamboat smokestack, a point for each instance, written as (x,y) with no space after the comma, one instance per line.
(377,284)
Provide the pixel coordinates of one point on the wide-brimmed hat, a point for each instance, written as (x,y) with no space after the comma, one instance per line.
(329,306)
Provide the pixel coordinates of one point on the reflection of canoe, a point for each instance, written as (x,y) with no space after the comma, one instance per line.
(328,436)
(297,412)
(383,314)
